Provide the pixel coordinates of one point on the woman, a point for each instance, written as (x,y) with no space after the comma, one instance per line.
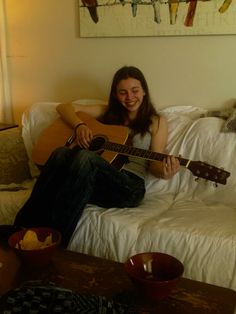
(72,178)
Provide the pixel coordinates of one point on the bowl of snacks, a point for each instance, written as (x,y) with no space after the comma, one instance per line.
(35,246)
(154,274)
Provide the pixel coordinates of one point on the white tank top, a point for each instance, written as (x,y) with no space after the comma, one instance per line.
(138,165)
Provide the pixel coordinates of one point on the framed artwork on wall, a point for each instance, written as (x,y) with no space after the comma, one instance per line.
(117,18)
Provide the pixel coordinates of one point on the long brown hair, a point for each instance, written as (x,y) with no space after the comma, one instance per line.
(117,113)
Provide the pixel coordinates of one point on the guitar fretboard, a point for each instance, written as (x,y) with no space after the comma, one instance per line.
(139,152)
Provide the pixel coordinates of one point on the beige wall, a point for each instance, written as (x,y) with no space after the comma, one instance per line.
(50,62)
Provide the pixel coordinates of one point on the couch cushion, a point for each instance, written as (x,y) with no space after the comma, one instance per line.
(13,157)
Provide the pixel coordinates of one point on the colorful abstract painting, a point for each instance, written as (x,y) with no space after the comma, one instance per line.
(115,18)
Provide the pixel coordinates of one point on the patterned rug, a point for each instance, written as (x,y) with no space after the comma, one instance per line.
(34,297)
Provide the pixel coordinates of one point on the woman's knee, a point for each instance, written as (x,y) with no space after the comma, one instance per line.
(60,151)
(60,154)
(86,156)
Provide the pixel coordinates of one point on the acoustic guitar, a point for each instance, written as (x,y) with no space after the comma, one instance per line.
(109,141)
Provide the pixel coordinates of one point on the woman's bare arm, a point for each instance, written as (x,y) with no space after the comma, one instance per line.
(170,165)
(68,114)
(84,134)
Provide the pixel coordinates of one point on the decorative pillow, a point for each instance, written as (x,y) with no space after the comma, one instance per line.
(223,114)
(230,123)
(13,157)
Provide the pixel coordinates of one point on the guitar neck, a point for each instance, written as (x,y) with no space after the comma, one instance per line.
(139,152)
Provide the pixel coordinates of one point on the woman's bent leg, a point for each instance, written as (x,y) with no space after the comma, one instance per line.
(34,212)
(71,179)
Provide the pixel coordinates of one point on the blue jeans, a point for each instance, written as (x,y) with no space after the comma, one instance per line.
(72,178)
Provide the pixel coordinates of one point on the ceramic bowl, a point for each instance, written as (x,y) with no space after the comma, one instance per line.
(36,257)
(154,274)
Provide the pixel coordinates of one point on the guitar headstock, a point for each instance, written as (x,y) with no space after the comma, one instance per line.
(203,170)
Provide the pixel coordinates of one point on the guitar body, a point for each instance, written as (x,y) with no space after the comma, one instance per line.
(58,132)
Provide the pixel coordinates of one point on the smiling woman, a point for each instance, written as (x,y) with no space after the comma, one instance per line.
(83,176)
(5,97)
(130,94)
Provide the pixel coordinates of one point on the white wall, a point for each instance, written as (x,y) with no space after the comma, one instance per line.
(49,61)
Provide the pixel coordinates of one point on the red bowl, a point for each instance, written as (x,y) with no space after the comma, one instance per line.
(154,274)
(36,257)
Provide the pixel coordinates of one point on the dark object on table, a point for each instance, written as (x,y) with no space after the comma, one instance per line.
(154,274)
(35,253)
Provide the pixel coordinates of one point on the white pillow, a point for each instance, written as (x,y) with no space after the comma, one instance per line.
(39,116)
(199,140)
(89,102)
(205,142)
(180,119)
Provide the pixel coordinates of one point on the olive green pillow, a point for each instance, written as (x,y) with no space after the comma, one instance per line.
(13,157)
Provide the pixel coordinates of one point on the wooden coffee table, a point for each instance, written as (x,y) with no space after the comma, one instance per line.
(87,274)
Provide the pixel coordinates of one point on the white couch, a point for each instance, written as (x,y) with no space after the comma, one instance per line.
(192,220)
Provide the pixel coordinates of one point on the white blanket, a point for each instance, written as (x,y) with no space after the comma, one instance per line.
(192,220)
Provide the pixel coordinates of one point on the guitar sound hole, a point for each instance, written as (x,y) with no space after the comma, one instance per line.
(97,143)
